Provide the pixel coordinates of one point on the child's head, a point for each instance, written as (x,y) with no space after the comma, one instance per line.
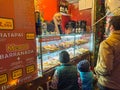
(83,66)
(64,57)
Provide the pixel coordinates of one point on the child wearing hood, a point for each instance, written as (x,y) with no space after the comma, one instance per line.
(86,75)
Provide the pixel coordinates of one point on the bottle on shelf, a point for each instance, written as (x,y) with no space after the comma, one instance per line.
(61,7)
(38,23)
(76,28)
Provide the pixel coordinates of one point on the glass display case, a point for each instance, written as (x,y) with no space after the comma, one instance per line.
(49,47)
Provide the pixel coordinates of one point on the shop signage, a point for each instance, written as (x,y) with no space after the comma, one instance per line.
(18,63)
(50,38)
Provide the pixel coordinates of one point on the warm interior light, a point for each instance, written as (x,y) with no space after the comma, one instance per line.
(13,82)
(109,0)
(49,77)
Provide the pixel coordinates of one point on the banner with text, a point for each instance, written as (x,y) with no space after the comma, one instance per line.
(17,43)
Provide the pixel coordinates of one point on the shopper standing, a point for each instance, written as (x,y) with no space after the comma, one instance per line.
(66,75)
(108,64)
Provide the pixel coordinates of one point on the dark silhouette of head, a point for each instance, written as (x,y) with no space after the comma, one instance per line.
(64,57)
(83,66)
(115,21)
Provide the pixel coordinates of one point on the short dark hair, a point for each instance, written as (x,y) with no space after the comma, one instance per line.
(115,21)
(64,57)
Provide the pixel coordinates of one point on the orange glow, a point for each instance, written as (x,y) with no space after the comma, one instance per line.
(47,8)
(80,13)
(109,0)
(49,77)
(13,82)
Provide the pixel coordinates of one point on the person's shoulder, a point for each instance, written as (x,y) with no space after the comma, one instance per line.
(59,67)
(107,43)
(104,41)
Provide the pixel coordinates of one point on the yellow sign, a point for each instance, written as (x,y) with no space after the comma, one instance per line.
(30,36)
(6,23)
(30,69)
(3,78)
(17,73)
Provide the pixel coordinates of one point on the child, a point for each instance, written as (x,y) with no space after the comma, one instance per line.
(65,76)
(86,75)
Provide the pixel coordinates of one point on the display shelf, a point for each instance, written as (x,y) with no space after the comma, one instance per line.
(47,75)
(49,47)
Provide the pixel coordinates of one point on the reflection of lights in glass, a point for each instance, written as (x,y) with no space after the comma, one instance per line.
(67,36)
(92,42)
(29,84)
(37,39)
(49,77)
(79,35)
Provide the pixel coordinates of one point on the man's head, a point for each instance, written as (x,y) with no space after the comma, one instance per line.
(64,57)
(58,17)
(114,23)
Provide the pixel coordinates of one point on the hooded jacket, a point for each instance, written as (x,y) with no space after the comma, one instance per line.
(108,63)
(87,80)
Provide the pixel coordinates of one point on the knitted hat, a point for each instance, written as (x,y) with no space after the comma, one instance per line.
(83,66)
(64,57)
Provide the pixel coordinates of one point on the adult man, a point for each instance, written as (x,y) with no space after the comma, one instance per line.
(108,63)
(56,22)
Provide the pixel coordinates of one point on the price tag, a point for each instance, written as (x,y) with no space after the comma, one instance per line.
(6,23)
(3,78)
(30,69)
(17,73)
(30,36)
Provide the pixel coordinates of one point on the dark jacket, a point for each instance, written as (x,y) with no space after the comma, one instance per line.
(68,79)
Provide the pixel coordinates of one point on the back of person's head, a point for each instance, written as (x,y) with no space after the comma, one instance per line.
(64,57)
(83,66)
(115,21)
